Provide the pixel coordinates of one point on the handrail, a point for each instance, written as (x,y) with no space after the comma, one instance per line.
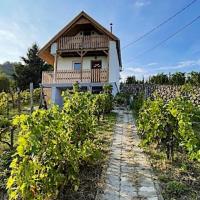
(85,42)
(72,76)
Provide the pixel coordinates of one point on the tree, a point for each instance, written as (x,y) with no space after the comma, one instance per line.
(194,78)
(31,68)
(131,80)
(161,79)
(4,83)
(178,78)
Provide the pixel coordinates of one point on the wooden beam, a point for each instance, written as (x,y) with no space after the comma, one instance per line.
(88,50)
(81,65)
(108,68)
(106,52)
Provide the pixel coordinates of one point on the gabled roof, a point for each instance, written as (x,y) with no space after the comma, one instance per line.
(44,51)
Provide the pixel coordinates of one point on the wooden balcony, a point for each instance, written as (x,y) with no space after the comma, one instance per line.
(72,76)
(83,42)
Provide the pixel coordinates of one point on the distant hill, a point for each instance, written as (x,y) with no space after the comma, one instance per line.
(7,68)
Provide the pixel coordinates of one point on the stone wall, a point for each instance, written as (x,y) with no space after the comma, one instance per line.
(166,92)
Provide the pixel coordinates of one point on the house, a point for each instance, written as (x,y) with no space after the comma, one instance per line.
(85,52)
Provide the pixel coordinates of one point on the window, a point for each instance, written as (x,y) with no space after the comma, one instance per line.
(77,65)
(96,64)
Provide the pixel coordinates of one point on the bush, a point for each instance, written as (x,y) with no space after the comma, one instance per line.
(122,99)
(137,102)
(3,103)
(25,97)
(36,95)
(169,125)
(52,145)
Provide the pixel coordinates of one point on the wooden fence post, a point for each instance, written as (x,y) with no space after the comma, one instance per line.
(31,97)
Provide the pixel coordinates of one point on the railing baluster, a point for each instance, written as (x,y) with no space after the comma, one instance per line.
(71,76)
(88,42)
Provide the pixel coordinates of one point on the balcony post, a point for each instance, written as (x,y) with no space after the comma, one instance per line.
(81,65)
(55,67)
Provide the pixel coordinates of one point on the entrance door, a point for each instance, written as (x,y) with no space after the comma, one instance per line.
(95,71)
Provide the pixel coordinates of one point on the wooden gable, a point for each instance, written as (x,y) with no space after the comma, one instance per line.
(71,29)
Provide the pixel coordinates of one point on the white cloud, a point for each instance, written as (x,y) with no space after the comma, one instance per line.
(136,70)
(181,65)
(15,38)
(142,3)
(6,35)
(152,64)
(139,72)
(151,69)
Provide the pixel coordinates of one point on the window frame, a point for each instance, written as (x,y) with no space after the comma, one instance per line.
(76,62)
(99,60)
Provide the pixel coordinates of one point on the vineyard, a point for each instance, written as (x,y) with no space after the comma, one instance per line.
(170,133)
(45,153)
(61,153)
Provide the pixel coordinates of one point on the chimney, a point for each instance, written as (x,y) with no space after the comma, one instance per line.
(111,27)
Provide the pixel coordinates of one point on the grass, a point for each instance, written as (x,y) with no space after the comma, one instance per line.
(180,179)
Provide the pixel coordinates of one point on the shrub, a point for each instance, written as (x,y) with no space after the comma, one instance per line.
(3,103)
(36,95)
(169,125)
(52,145)
(122,99)
(137,102)
(25,97)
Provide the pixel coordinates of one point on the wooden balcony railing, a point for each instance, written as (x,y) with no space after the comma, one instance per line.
(83,42)
(72,76)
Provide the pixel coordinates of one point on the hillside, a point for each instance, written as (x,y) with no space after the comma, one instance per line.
(7,68)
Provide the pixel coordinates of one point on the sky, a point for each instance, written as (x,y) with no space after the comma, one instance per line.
(23,22)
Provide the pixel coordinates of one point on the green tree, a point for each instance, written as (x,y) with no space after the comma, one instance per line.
(31,69)
(4,83)
(131,80)
(194,78)
(161,79)
(178,78)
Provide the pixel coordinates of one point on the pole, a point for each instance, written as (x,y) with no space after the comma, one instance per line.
(31,97)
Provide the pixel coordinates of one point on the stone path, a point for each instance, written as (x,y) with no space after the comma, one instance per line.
(129,175)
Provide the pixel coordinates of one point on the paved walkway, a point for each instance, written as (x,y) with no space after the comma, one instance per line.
(129,175)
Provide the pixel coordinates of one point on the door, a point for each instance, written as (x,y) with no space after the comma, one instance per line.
(96,71)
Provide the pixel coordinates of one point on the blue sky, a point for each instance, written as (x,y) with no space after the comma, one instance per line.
(23,22)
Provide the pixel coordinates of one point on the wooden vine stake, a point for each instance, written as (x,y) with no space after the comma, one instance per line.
(31,97)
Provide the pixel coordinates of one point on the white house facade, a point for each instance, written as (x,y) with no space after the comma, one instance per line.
(83,52)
